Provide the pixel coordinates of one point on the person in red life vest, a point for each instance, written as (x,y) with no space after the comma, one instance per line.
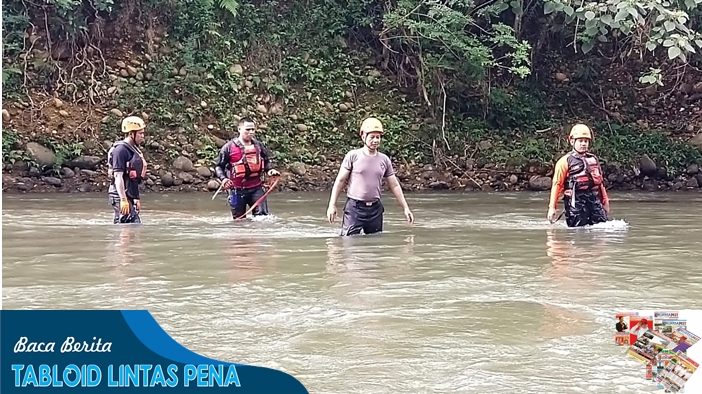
(126,169)
(578,177)
(241,164)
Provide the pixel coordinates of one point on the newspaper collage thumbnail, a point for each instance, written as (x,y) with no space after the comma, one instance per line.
(661,342)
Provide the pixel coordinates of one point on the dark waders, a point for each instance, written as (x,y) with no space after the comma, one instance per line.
(362,215)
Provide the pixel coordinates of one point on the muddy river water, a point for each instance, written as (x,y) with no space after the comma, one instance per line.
(481,295)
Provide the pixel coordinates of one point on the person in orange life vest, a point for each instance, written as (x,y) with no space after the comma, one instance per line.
(365,168)
(126,169)
(240,165)
(579,177)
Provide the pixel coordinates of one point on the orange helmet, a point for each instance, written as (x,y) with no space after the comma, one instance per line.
(580,131)
(371,125)
(132,123)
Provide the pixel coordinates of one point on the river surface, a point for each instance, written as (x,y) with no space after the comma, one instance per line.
(481,295)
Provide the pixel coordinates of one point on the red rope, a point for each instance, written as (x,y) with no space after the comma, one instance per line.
(260,200)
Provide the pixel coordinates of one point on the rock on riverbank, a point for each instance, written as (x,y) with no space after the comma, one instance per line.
(88,174)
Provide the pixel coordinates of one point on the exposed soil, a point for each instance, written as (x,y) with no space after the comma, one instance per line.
(610,92)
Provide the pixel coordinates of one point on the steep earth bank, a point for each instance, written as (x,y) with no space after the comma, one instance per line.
(308,106)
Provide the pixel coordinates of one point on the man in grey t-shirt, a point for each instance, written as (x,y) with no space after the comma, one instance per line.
(364,169)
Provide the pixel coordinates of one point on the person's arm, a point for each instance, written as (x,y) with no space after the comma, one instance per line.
(557,186)
(119,184)
(339,183)
(604,197)
(222,162)
(265,155)
(396,189)
(267,162)
(394,183)
(341,179)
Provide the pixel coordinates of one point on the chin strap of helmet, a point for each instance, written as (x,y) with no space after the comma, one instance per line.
(364,138)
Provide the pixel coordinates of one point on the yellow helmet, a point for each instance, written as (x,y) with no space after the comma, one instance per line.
(132,123)
(371,125)
(580,131)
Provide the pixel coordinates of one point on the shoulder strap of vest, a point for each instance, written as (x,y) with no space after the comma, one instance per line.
(580,156)
(123,142)
(114,146)
(584,158)
(259,147)
(241,146)
(111,151)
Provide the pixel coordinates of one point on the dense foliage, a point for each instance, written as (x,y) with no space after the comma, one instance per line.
(461,70)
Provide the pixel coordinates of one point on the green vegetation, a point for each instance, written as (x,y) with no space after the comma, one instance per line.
(450,79)
(64,151)
(9,144)
(624,145)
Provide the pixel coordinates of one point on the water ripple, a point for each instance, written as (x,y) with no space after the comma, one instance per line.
(480,295)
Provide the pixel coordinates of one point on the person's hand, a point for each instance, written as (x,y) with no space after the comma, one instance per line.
(331,213)
(124,206)
(551,214)
(227,183)
(606,208)
(409,215)
(138,204)
(273,173)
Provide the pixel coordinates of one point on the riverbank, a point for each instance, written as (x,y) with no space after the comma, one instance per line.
(485,134)
(449,128)
(88,174)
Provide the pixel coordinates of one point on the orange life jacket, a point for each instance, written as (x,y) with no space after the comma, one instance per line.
(249,165)
(584,172)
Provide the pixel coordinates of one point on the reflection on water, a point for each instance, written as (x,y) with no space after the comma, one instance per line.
(480,295)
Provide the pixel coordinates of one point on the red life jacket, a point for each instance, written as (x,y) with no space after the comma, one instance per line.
(246,163)
(584,172)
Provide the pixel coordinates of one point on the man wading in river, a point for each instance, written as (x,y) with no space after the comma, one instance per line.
(578,176)
(365,168)
(127,168)
(240,165)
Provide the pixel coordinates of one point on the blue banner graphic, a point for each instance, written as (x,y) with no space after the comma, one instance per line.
(110,350)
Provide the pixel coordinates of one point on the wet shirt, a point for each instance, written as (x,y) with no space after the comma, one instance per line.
(120,157)
(367,173)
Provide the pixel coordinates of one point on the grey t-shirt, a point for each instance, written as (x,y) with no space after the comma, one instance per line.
(367,173)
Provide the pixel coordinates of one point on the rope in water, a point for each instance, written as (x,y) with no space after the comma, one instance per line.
(260,200)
